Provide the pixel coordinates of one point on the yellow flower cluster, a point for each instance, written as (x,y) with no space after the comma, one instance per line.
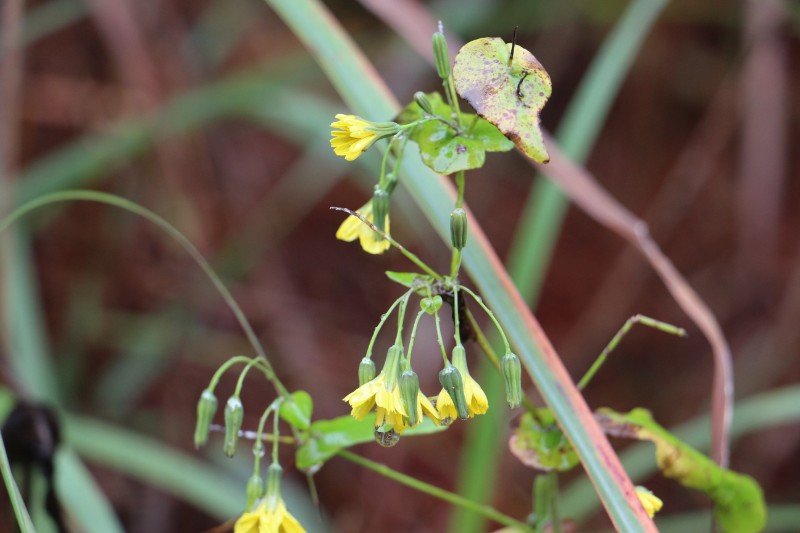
(383,393)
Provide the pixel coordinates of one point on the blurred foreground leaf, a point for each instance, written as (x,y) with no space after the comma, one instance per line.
(327,437)
(738,500)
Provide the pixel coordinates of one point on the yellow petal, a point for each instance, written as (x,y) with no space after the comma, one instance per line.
(477,403)
(445,406)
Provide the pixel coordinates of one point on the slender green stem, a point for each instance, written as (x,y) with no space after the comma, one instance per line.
(439,336)
(488,311)
(456,323)
(401,317)
(240,382)
(636,319)
(410,256)
(127,205)
(455,263)
(413,335)
(384,318)
(276,434)
(260,438)
(460,188)
(488,350)
(444,495)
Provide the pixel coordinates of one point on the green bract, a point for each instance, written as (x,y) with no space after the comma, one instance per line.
(509,94)
(297,410)
(445,150)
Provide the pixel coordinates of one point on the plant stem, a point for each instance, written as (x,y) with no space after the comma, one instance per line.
(485,510)
(410,256)
(488,311)
(172,231)
(636,319)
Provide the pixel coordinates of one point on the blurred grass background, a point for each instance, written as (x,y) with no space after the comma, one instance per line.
(214,116)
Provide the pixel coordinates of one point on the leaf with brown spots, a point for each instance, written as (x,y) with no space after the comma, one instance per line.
(508,92)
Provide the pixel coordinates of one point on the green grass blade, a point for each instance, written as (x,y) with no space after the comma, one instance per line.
(208,488)
(540,222)
(82,498)
(365,95)
(20,511)
(27,348)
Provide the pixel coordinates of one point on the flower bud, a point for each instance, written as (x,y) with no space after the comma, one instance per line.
(441,55)
(380,207)
(409,391)
(206,408)
(234,414)
(274,475)
(512,377)
(451,381)
(255,490)
(458,228)
(422,101)
(366,370)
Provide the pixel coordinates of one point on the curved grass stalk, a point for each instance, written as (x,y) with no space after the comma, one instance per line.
(127,205)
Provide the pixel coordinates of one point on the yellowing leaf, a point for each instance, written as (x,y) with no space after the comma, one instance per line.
(538,442)
(510,95)
(738,500)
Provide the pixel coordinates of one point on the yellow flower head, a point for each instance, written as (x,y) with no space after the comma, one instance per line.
(352,228)
(651,503)
(353,135)
(266,518)
(384,392)
(477,402)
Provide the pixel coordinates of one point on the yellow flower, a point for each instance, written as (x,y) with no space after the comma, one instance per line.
(477,402)
(651,503)
(353,135)
(266,518)
(352,228)
(384,392)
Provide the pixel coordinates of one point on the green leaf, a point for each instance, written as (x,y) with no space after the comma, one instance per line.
(738,500)
(330,436)
(509,94)
(538,442)
(297,410)
(409,279)
(445,150)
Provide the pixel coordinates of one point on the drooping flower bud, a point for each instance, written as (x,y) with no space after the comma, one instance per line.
(366,370)
(512,377)
(206,409)
(441,55)
(274,475)
(255,490)
(380,207)
(458,228)
(422,101)
(409,391)
(234,414)
(452,382)
(391,367)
